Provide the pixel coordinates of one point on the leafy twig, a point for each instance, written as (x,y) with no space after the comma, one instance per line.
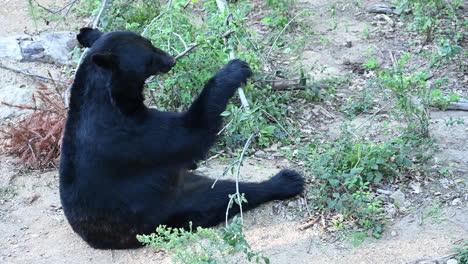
(222,6)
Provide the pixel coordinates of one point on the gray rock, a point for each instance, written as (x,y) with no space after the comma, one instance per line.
(261,154)
(48,47)
(391,211)
(14,96)
(416,186)
(452,261)
(456,202)
(399,197)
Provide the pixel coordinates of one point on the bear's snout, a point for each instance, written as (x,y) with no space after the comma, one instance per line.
(169,62)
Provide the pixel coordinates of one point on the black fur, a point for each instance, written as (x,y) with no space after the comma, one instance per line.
(124,168)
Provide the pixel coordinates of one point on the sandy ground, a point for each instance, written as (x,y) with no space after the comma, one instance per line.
(34,229)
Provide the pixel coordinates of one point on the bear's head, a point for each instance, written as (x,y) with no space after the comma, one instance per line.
(125,51)
(129,59)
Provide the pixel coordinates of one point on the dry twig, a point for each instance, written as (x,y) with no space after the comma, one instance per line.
(64,15)
(57,10)
(24,72)
(187,50)
(311,222)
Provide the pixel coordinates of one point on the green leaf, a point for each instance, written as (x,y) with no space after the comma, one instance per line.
(226,113)
(334,182)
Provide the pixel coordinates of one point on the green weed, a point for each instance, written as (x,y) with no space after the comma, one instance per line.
(438,99)
(462,253)
(434,213)
(204,245)
(346,170)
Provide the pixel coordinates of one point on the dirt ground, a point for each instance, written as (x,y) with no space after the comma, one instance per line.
(34,229)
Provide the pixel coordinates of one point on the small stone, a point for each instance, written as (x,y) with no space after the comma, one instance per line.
(452,261)
(260,154)
(273,147)
(445,183)
(391,211)
(349,44)
(292,204)
(456,202)
(403,210)
(399,197)
(393,233)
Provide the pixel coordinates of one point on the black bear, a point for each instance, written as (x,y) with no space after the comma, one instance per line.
(125,168)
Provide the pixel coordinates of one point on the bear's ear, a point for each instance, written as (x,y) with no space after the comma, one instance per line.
(88,36)
(108,61)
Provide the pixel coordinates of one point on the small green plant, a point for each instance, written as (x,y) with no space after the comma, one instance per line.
(359,103)
(279,15)
(372,63)
(357,238)
(7,192)
(438,99)
(454,121)
(366,31)
(208,246)
(403,84)
(462,253)
(434,213)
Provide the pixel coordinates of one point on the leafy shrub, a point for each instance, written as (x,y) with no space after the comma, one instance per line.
(203,246)
(347,170)
(175,25)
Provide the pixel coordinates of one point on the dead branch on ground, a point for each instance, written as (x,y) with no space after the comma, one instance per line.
(311,222)
(37,138)
(26,73)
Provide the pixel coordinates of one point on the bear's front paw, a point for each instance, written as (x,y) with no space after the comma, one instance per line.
(235,73)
